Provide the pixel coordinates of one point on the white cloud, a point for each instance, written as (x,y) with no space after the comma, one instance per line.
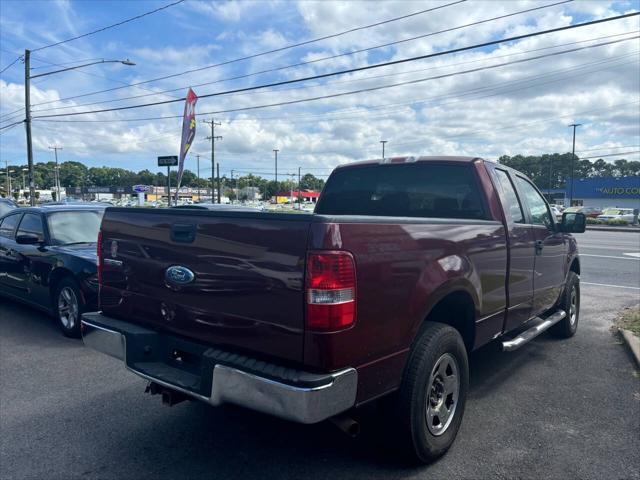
(522,108)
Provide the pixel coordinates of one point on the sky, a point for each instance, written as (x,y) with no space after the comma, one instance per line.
(463,103)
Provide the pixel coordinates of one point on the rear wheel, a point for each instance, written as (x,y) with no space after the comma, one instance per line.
(68,307)
(431,400)
(570,303)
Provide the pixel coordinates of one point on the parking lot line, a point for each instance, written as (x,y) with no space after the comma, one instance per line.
(607,285)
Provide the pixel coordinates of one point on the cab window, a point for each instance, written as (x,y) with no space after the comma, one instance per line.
(512,207)
(537,206)
(31,224)
(9,224)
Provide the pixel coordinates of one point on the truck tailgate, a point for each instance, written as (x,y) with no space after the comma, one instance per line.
(247,289)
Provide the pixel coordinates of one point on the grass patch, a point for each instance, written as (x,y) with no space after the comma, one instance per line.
(630,320)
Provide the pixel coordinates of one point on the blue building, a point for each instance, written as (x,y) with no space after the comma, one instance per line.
(605,192)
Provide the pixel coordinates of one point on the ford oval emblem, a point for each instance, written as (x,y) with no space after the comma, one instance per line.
(178,275)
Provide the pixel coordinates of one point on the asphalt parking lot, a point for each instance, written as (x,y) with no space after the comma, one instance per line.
(553,409)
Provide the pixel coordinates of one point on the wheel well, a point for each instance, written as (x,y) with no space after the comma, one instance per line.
(575,266)
(458,311)
(56,276)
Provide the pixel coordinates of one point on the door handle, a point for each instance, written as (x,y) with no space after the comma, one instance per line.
(539,247)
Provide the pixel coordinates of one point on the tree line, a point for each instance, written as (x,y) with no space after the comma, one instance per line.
(553,170)
(75,174)
(547,171)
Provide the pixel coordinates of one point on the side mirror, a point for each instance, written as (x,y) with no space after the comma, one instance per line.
(573,222)
(27,239)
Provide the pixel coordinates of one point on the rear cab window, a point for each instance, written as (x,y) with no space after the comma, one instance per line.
(420,189)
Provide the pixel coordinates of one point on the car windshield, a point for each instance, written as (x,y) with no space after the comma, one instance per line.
(74,226)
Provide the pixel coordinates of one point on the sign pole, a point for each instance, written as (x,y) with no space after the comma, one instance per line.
(168,185)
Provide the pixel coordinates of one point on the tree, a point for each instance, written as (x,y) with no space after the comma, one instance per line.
(310,182)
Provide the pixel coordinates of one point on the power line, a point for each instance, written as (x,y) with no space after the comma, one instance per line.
(227,62)
(295,65)
(349,71)
(5,68)
(108,26)
(609,155)
(606,148)
(6,128)
(463,93)
(323,85)
(11,124)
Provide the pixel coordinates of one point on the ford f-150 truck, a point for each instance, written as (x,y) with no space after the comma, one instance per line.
(406,265)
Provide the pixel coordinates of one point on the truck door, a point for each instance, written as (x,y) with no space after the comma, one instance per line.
(550,249)
(521,253)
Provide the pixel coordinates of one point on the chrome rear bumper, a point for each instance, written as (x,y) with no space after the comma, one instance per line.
(324,397)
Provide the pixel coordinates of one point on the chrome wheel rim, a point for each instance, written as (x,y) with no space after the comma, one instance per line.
(68,308)
(573,307)
(442,394)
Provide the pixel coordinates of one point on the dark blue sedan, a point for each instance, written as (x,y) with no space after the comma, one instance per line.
(48,260)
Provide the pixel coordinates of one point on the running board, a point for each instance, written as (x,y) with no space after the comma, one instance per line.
(528,335)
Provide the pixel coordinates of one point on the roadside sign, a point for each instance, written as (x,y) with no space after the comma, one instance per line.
(168,161)
(141,188)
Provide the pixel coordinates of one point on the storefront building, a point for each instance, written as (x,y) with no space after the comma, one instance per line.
(603,192)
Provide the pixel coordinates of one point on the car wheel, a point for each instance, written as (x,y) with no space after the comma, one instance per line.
(68,306)
(570,303)
(430,403)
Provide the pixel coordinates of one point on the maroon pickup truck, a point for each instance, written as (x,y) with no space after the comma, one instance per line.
(406,266)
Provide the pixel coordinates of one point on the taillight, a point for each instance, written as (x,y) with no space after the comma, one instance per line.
(98,251)
(331,291)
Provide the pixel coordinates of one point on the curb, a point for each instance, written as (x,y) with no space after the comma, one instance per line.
(614,229)
(633,343)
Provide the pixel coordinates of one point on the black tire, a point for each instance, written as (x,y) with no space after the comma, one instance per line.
(420,393)
(67,293)
(570,303)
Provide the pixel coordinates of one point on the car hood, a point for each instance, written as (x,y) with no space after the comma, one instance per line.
(86,251)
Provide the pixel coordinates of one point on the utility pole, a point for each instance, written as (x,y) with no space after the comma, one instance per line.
(276,152)
(383,142)
(212,123)
(27,123)
(233,188)
(6,162)
(299,203)
(549,187)
(573,157)
(218,175)
(198,170)
(55,149)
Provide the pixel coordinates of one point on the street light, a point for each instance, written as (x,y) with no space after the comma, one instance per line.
(27,106)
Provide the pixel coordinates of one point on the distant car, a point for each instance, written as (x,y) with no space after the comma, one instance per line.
(592,212)
(6,205)
(556,212)
(48,260)
(617,214)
